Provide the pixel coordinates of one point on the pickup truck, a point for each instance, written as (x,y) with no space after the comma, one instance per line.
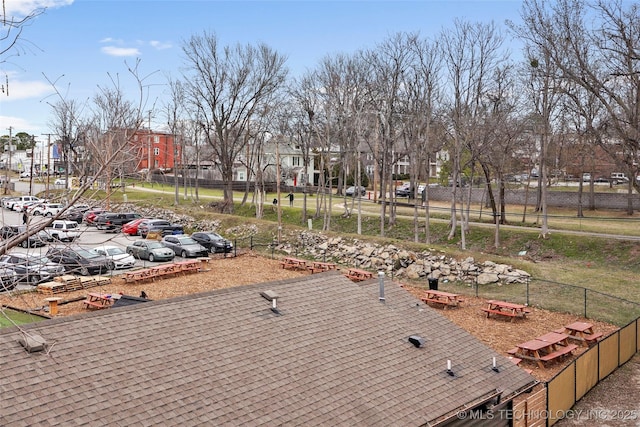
(114,221)
(63,231)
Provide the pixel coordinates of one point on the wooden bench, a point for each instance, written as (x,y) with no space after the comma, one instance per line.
(592,338)
(559,353)
(498,312)
(93,304)
(358,275)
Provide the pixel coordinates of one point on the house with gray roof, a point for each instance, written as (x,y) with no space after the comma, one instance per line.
(316,350)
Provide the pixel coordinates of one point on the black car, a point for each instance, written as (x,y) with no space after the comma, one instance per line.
(160,226)
(114,221)
(32,269)
(80,260)
(33,241)
(214,242)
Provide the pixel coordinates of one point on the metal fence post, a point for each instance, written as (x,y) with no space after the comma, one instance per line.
(585,303)
(527,296)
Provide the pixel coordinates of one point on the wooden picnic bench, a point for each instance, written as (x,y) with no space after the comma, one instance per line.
(357,275)
(546,348)
(506,309)
(319,267)
(98,301)
(440,298)
(293,263)
(581,331)
(140,275)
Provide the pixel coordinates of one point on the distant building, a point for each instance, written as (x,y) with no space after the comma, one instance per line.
(155,150)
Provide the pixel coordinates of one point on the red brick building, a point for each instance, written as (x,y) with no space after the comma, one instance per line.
(155,150)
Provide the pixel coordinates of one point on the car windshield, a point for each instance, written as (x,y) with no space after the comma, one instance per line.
(214,236)
(187,241)
(72,225)
(114,251)
(155,245)
(87,254)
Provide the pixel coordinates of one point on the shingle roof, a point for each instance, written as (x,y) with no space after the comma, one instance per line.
(334,355)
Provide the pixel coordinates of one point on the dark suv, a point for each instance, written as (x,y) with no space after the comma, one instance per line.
(114,221)
(213,242)
(80,260)
(160,226)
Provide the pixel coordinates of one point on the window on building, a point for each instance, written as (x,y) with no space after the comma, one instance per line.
(156,151)
(156,139)
(296,161)
(240,175)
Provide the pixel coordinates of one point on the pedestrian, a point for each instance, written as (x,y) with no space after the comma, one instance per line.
(24,217)
(290,196)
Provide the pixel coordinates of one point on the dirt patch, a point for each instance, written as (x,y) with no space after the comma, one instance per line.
(249,268)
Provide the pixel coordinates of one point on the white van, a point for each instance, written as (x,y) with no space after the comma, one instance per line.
(618,178)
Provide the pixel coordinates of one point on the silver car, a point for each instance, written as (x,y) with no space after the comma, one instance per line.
(151,250)
(185,246)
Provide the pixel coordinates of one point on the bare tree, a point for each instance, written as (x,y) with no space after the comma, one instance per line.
(472,52)
(226,86)
(595,45)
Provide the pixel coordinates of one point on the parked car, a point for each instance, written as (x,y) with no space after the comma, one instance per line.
(114,221)
(131,227)
(31,269)
(74,215)
(60,182)
(214,242)
(119,258)
(23,206)
(618,178)
(18,203)
(8,279)
(79,260)
(151,250)
(403,190)
(351,191)
(90,216)
(185,246)
(63,230)
(46,209)
(160,226)
(33,241)
(7,202)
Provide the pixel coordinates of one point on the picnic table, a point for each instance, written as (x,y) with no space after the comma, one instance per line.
(98,301)
(189,266)
(293,263)
(545,348)
(166,270)
(581,331)
(507,309)
(357,275)
(440,298)
(319,267)
(140,275)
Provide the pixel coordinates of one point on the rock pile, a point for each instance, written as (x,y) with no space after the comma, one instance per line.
(398,262)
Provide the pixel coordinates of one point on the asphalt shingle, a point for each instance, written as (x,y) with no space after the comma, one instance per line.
(334,355)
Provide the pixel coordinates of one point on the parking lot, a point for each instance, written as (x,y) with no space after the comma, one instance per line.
(90,237)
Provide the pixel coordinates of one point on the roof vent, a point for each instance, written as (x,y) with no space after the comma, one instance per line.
(33,343)
(416,340)
(269,295)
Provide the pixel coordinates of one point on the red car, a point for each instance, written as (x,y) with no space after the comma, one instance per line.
(131,227)
(90,216)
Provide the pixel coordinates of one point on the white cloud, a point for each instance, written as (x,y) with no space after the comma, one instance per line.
(160,45)
(18,124)
(25,7)
(19,89)
(120,51)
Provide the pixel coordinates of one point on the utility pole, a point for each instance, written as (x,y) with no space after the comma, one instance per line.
(33,144)
(8,165)
(48,135)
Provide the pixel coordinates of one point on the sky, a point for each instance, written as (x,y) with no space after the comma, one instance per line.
(77,47)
